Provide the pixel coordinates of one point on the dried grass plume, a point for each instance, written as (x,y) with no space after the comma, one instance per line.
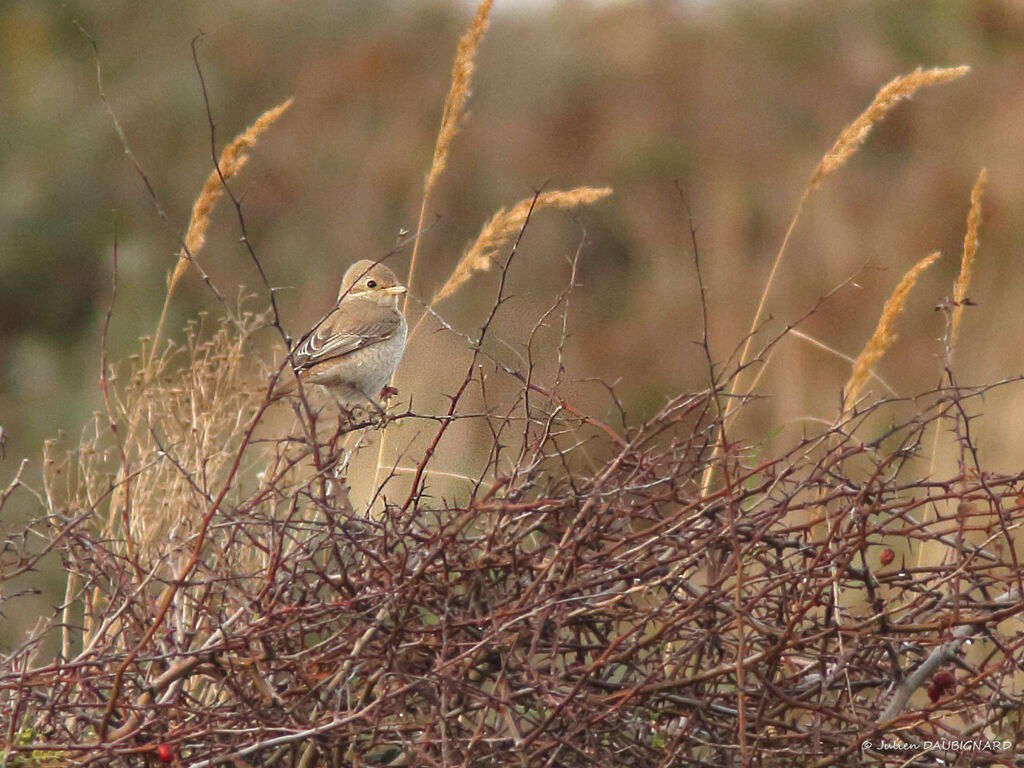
(504,224)
(963,280)
(850,139)
(895,91)
(455,101)
(232,160)
(883,336)
(451,117)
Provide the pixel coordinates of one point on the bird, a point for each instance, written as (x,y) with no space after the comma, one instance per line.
(353,351)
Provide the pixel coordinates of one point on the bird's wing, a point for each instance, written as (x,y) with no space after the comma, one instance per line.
(353,325)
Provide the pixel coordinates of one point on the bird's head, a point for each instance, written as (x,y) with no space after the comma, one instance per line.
(370,280)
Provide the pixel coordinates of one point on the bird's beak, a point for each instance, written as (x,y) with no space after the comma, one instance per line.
(396,290)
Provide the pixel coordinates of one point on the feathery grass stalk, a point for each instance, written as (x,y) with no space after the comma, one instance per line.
(893,92)
(883,337)
(500,229)
(963,280)
(954,317)
(849,140)
(451,117)
(232,160)
(503,225)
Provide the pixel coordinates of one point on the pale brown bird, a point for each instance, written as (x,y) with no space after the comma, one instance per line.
(354,350)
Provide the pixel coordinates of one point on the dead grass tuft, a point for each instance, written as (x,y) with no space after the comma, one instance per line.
(181,418)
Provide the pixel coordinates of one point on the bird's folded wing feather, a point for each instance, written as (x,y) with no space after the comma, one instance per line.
(348,328)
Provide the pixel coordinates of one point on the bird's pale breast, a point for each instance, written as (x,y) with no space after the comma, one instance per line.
(362,373)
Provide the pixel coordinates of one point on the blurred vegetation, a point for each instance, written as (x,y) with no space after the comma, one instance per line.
(736,101)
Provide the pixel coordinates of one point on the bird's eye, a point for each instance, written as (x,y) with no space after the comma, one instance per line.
(371,283)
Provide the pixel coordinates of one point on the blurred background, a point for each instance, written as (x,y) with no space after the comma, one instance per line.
(735,101)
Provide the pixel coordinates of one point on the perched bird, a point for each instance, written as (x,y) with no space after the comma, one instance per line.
(354,350)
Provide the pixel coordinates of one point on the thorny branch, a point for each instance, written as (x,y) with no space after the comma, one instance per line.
(580,607)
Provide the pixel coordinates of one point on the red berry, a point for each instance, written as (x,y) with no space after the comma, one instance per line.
(934,692)
(164,753)
(886,556)
(944,680)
